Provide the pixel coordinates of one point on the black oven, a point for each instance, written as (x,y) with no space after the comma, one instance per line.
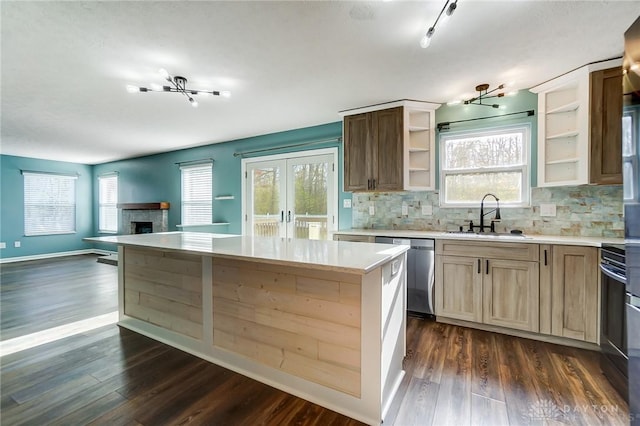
(613,324)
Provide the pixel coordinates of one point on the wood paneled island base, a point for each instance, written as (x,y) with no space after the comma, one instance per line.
(331,334)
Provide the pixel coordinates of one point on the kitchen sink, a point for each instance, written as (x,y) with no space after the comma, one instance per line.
(486,234)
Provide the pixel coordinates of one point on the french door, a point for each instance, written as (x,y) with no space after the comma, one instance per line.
(291,195)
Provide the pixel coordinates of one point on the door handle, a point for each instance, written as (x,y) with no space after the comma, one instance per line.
(487,265)
(374,184)
(368,183)
(479,266)
(545,257)
(289,216)
(281,215)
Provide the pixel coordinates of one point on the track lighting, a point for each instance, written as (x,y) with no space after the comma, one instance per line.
(448,9)
(178,85)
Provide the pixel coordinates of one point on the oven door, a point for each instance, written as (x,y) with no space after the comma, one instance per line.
(613,330)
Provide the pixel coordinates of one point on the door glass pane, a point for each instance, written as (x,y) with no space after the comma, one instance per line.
(310,184)
(266,215)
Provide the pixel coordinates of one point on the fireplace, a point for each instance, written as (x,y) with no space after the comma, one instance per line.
(141,227)
(143,218)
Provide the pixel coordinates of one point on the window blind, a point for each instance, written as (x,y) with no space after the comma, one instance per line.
(49,203)
(108,203)
(197,198)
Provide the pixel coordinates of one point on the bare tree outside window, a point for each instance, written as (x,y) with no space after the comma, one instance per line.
(479,162)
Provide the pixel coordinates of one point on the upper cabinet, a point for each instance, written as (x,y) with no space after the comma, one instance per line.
(606,126)
(579,126)
(390,147)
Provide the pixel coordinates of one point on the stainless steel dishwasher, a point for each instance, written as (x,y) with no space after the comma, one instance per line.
(420,276)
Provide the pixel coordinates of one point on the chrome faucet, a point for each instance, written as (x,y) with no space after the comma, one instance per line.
(483,214)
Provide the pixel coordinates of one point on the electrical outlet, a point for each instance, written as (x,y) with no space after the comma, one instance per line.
(427,210)
(3,245)
(405,210)
(547,209)
(16,244)
(346,203)
(372,210)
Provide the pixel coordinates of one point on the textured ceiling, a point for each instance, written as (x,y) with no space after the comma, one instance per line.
(292,64)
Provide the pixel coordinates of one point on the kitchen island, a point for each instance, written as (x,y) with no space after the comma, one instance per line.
(322,320)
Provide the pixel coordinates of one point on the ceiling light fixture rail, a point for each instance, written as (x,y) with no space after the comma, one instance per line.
(179,85)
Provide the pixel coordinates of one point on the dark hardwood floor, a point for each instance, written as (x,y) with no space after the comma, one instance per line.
(41,294)
(455,375)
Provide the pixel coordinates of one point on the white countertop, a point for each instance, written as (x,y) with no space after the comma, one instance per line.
(444,235)
(330,255)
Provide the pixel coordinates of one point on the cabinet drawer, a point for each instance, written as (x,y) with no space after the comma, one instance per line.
(490,249)
(355,238)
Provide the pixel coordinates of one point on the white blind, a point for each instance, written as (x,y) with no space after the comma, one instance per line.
(108,203)
(49,203)
(197,187)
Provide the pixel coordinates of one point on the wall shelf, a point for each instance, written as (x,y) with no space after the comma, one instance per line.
(563,161)
(224,197)
(203,225)
(572,106)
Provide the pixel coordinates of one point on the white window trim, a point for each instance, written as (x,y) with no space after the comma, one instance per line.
(209,201)
(526,167)
(331,227)
(108,205)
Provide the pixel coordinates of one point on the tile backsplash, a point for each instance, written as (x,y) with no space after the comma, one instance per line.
(590,211)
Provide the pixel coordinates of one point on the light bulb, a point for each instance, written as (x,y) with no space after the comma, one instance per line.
(156,87)
(164,74)
(132,89)
(451,9)
(502,107)
(445,18)
(512,93)
(456,102)
(426,40)
(225,94)
(194,103)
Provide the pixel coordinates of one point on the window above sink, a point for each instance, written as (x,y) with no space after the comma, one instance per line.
(494,160)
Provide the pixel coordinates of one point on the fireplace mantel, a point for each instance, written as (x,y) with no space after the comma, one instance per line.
(144,206)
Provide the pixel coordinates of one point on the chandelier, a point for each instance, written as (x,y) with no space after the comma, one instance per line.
(483,94)
(178,85)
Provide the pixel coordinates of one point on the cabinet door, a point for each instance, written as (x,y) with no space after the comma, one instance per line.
(458,288)
(388,148)
(357,162)
(511,296)
(606,131)
(574,304)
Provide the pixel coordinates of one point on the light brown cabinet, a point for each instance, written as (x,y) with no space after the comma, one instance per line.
(606,129)
(354,238)
(389,147)
(458,287)
(569,289)
(494,284)
(373,151)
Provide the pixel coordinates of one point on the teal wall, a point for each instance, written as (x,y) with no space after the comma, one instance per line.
(523,101)
(12,207)
(157,177)
(149,179)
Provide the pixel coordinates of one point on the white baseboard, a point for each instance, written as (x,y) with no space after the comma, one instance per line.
(57,254)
